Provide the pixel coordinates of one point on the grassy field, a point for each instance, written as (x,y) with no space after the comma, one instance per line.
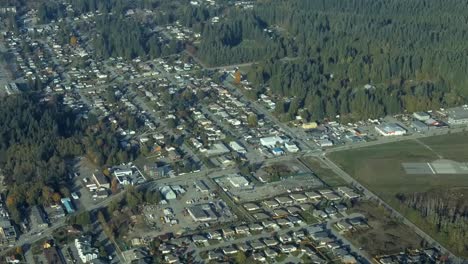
(454,146)
(379,169)
(323,172)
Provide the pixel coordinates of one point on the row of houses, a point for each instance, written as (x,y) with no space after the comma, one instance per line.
(312,241)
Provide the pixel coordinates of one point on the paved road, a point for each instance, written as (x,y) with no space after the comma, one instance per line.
(30,239)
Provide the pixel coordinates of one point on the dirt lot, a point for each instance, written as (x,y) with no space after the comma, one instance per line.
(386,235)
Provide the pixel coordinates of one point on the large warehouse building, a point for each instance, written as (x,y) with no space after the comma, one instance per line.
(458,115)
(271,142)
(390,129)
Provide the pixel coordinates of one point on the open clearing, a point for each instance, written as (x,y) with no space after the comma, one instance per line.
(385,235)
(379,168)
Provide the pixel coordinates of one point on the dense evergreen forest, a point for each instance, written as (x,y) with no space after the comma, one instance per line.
(39,140)
(354,59)
(412,53)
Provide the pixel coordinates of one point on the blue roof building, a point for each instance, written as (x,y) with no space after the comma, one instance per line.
(68,205)
(278,151)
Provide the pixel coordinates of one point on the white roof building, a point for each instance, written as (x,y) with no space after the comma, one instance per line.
(324,142)
(85,251)
(272,141)
(291,147)
(237,147)
(421,116)
(390,129)
(238,181)
(168,193)
(217,149)
(458,115)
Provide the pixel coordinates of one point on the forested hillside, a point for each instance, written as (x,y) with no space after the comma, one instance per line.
(413,53)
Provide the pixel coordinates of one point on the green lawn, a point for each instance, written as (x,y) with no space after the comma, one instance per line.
(379,169)
(323,172)
(454,146)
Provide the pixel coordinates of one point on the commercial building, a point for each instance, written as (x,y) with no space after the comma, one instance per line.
(237,147)
(277,151)
(85,251)
(458,115)
(217,149)
(324,142)
(291,147)
(202,186)
(101,180)
(238,181)
(128,175)
(123,176)
(390,129)
(67,203)
(271,142)
(168,193)
(202,213)
(419,126)
(311,125)
(421,116)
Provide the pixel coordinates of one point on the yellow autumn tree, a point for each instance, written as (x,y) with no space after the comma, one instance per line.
(73,41)
(56,197)
(237,77)
(10,201)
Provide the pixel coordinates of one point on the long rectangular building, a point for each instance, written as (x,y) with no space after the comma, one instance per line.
(390,129)
(458,115)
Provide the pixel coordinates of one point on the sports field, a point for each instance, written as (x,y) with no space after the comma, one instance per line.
(379,168)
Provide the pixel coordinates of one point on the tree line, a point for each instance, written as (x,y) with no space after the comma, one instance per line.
(447,213)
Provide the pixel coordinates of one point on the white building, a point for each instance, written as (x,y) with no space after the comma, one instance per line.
(271,142)
(168,193)
(217,149)
(123,175)
(421,116)
(291,147)
(237,147)
(238,181)
(324,143)
(458,115)
(85,251)
(390,129)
